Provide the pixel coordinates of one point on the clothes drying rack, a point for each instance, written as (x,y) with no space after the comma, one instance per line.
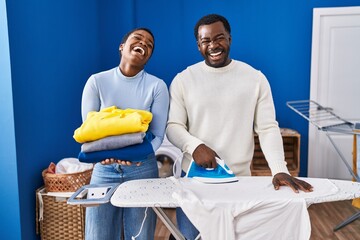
(327,121)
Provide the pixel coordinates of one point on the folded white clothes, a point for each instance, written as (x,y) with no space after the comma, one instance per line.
(71,165)
(248,209)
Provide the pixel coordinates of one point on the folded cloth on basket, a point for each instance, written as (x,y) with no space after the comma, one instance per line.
(112,121)
(234,210)
(71,165)
(135,152)
(113,142)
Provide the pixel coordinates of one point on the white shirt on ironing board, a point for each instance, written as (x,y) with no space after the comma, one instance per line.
(249,209)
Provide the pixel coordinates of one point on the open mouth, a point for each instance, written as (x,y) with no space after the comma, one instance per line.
(139,50)
(215,55)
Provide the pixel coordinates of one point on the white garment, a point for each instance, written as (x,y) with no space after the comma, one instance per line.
(248,209)
(71,165)
(222,108)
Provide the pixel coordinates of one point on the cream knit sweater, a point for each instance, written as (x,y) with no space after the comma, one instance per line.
(222,107)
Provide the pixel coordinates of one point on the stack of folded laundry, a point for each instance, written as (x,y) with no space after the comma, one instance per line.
(115,133)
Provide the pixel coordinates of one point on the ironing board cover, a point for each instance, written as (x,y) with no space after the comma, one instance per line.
(162,193)
(158,192)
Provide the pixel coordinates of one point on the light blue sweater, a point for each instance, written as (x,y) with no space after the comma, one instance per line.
(142,91)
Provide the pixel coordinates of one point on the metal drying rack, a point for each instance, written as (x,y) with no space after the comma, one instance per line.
(326,120)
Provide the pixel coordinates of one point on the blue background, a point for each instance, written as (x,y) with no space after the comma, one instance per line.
(50,48)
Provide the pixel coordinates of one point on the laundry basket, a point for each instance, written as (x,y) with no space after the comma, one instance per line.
(56,220)
(69,182)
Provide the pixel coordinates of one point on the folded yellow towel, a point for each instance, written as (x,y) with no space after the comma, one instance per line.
(112,121)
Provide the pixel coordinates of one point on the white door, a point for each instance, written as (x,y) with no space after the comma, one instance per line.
(335,83)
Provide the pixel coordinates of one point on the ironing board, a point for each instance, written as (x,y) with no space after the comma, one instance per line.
(327,121)
(158,194)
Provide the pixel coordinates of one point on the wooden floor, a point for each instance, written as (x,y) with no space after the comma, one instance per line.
(324,217)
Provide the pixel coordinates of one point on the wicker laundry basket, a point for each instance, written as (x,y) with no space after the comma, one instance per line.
(56,220)
(65,182)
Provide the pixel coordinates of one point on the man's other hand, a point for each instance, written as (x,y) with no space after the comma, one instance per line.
(284,179)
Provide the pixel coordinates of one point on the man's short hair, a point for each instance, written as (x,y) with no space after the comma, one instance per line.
(209,19)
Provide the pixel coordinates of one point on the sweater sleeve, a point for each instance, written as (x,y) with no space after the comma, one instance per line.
(268,130)
(177,126)
(90,98)
(159,109)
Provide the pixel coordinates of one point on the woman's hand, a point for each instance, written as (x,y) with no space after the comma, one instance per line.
(118,161)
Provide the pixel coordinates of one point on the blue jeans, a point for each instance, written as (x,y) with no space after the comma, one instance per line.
(185,226)
(107,222)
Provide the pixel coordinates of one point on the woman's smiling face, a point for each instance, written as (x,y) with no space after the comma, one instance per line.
(138,47)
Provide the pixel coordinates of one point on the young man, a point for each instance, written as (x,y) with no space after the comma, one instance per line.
(216,106)
(127,85)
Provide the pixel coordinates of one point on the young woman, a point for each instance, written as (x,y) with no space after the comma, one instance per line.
(127,86)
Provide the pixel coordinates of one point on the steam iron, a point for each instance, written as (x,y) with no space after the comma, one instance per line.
(220,174)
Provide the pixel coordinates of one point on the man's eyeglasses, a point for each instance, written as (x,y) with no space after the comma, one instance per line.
(206,41)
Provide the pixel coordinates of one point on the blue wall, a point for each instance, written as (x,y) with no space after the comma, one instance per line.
(9,195)
(56,45)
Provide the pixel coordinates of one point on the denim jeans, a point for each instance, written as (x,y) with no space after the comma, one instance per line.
(185,226)
(107,222)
